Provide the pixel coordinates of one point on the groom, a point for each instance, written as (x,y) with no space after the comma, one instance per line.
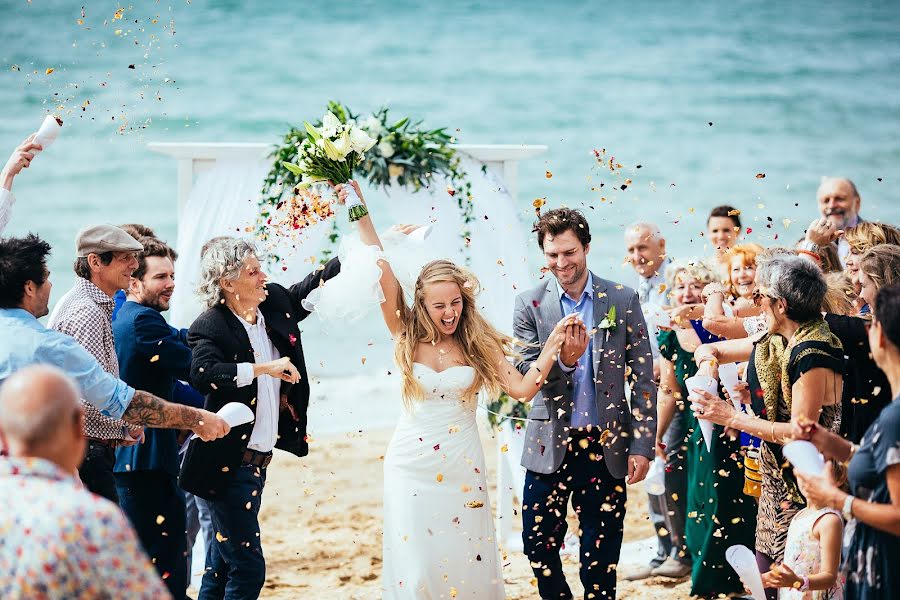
(583,438)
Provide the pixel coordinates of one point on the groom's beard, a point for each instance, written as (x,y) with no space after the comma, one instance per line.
(570,275)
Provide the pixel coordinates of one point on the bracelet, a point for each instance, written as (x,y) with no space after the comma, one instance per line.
(805,585)
(815,256)
(709,358)
(774,439)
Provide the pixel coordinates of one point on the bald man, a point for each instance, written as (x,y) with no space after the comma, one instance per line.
(839,204)
(59,540)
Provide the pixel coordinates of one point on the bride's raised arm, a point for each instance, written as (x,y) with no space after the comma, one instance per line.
(524,387)
(391,307)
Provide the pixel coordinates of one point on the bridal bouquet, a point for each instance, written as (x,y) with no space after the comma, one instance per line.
(505,408)
(332,152)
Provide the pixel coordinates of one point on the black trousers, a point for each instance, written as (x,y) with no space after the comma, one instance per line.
(599,502)
(96,471)
(155,506)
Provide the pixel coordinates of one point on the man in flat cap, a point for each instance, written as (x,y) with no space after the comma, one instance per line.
(106,258)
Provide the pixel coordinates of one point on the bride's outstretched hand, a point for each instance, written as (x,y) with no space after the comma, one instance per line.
(405,228)
(558,335)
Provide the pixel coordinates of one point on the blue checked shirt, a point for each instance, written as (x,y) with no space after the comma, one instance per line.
(584,412)
(27,342)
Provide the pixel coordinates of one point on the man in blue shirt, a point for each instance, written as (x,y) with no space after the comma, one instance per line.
(152,355)
(24,295)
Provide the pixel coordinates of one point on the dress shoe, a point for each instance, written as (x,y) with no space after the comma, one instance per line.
(672,568)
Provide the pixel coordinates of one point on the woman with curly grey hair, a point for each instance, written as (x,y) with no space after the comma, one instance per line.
(795,370)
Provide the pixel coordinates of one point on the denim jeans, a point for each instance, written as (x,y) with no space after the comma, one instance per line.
(154,504)
(235,566)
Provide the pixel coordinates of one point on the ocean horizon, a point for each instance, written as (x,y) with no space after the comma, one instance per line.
(705,97)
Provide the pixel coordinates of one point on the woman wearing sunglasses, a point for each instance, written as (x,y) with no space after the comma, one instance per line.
(795,370)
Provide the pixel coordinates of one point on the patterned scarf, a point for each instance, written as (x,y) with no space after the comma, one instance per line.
(772,362)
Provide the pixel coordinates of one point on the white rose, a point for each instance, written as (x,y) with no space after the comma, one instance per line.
(386,149)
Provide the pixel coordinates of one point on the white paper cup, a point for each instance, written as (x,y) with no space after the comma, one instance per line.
(48,132)
(728,375)
(703,382)
(743,561)
(805,457)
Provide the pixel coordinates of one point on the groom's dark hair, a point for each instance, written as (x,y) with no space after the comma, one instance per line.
(560,220)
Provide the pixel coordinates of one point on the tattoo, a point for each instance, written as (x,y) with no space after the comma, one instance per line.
(152,411)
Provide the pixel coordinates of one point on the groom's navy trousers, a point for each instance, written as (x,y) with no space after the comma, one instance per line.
(598,500)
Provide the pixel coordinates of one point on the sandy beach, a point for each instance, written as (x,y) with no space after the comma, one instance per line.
(321,525)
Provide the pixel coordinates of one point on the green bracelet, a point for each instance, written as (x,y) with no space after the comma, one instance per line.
(357,212)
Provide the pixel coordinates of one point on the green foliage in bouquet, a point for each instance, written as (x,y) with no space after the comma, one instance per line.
(505,408)
(405,154)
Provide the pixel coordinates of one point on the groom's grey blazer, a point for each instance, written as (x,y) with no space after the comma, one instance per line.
(622,358)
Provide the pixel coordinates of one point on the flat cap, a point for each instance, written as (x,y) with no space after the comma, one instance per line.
(98,239)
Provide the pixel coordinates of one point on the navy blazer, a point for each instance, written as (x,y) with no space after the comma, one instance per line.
(152,355)
(220,343)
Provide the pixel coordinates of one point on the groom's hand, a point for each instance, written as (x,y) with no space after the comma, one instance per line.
(574,344)
(637,468)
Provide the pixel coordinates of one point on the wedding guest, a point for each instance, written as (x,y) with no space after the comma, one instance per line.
(247,349)
(860,239)
(20,159)
(104,263)
(796,369)
(839,298)
(872,508)
(812,555)
(153,356)
(584,441)
(728,306)
(723,226)
(646,253)
(59,540)
(866,388)
(137,231)
(706,508)
(24,291)
(839,204)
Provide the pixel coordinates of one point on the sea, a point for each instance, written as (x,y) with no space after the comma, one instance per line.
(745,102)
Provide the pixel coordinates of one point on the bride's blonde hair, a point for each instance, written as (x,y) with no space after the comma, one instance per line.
(477,338)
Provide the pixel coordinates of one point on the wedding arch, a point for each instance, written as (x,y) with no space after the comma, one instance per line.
(218,187)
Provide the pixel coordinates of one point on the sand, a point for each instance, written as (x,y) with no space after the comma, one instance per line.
(321,526)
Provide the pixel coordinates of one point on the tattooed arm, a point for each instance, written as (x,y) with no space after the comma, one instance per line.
(152,411)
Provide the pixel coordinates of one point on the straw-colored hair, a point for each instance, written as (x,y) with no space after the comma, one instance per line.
(475,335)
(746,252)
(881,264)
(867,235)
(840,295)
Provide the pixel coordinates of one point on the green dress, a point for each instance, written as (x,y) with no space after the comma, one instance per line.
(719,515)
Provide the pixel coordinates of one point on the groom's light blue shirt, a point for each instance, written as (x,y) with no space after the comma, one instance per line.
(584,412)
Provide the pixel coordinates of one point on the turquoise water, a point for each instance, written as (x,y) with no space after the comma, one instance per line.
(793,90)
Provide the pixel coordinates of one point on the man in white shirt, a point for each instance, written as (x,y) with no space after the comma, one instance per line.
(839,204)
(20,159)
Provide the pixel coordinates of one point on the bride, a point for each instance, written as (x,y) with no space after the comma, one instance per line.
(439,537)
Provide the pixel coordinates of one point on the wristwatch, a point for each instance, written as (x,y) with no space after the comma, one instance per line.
(847,511)
(808,246)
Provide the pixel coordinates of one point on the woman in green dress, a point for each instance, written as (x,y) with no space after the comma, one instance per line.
(704,488)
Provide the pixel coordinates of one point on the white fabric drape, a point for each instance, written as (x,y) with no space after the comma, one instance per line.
(224,202)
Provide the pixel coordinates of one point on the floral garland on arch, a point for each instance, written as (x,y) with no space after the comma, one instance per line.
(404,154)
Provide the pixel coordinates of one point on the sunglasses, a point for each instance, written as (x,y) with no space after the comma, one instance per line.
(758,295)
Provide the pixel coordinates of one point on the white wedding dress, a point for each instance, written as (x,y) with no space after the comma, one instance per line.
(439,537)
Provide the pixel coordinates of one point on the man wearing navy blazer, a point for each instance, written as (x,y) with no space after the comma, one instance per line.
(153,355)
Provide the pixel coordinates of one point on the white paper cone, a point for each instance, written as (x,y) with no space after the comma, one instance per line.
(804,457)
(656,316)
(703,382)
(656,477)
(234,413)
(743,561)
(728,375)
(48,132)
